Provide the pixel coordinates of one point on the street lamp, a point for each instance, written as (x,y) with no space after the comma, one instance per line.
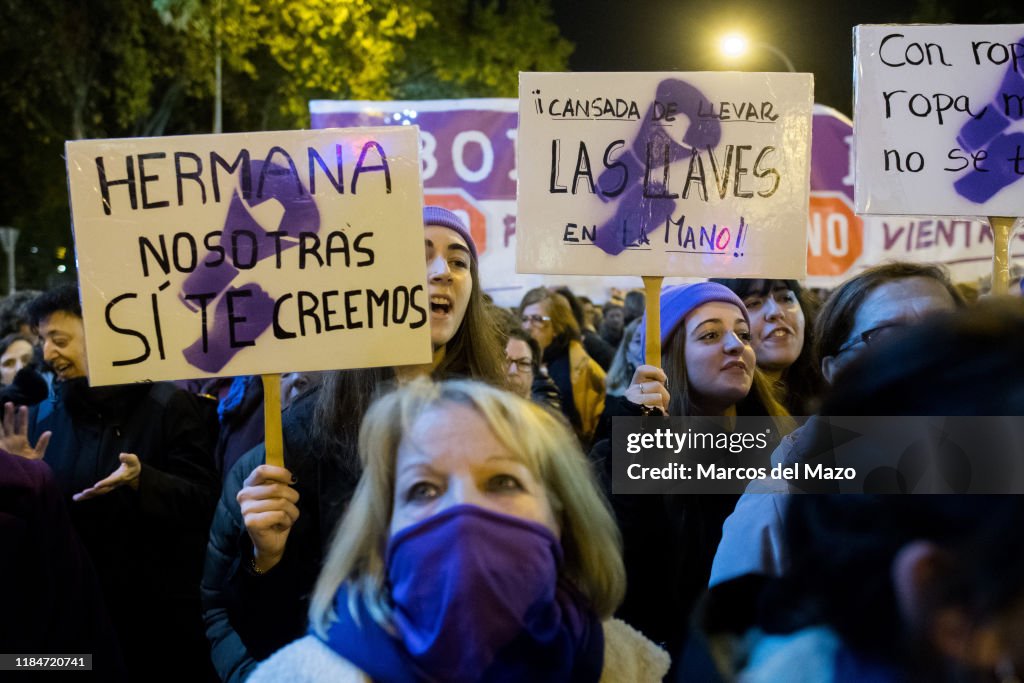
(734,45)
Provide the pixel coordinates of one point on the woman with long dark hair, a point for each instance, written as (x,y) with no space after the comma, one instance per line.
(781,315)
(708,358)
(709,370)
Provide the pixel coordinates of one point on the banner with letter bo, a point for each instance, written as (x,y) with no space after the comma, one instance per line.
(468,157)
(252,253)
(689,174)
(939,120)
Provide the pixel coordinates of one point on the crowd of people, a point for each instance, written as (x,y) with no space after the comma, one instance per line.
(456,521)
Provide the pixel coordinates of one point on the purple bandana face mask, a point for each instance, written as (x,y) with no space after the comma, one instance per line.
(468,582)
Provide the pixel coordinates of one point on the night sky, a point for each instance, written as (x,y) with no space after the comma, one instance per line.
(679,35)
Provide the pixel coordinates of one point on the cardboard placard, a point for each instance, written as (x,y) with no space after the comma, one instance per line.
(245,254)
(840,243)
(689,174)
(938,120)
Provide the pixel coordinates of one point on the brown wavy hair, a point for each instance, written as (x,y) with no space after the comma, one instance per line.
(475,350)
(760,400)
(563,322)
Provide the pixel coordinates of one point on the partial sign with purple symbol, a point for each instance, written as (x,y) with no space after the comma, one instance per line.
(688,174)
(245,254)
(939,120)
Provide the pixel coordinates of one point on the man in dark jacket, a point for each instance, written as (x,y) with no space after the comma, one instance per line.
(136,461)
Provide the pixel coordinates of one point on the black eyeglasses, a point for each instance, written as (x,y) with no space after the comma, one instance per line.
(520,364)
(872,336)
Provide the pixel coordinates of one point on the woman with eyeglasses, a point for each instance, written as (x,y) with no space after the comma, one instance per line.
(580,380)
(273,524)
(525,375)
(781,315)
(477,547)
(863,312)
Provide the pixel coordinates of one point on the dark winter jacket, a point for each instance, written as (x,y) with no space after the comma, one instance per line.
(668,541)
(248,617)
(48,586)
(146,544)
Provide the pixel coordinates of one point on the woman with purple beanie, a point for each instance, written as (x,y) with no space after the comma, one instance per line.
(709,369)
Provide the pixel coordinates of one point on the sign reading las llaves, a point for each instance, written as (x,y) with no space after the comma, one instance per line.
(689,174)
(249,253)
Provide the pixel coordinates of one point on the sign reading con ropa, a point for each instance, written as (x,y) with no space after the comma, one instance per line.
(249,253)
(938,120)
(690,174)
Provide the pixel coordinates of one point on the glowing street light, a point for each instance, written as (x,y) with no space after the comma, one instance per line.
(735,45)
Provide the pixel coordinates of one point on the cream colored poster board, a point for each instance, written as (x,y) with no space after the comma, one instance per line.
(249,253)
(689,174)
(939,120)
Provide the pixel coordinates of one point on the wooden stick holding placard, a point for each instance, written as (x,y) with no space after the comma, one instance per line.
(652,350)
(1002,226)
(273,440)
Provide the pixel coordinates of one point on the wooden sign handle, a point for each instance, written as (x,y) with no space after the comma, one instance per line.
(1002,226)
(273,440)
(652,350)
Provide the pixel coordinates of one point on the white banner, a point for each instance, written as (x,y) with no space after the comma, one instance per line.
(939,120)
(688,174)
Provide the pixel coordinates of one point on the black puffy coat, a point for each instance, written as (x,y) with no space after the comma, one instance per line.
(249,617)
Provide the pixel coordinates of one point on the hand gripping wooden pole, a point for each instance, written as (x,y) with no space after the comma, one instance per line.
(652,347)
(1002,226)
(272,419)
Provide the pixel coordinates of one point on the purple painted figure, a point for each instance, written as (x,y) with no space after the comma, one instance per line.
(247,242)
(645,207)
(986,133)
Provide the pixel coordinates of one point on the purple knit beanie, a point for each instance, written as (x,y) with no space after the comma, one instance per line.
(677,302)
(438,215)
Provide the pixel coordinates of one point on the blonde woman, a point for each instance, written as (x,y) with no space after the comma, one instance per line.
(273,524)
(477,547)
